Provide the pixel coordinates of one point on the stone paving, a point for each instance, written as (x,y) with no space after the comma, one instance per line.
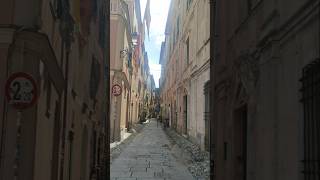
(148,157)
(197,160)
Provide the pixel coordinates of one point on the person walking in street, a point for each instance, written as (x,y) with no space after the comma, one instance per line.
(170,117)
(157,110)
(167,116)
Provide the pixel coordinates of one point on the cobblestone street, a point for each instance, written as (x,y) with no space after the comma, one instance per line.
(149,156)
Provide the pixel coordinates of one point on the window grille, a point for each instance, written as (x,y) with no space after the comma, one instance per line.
(311,106)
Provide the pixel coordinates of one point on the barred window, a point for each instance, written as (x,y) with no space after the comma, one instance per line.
(311,106)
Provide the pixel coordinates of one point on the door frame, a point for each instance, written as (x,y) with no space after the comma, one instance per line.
(185,114)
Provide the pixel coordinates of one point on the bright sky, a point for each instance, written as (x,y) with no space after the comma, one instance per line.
(159,11)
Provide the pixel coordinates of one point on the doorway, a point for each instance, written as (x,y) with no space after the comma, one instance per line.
(175,114)
(185,114)
(128,110)
(240,143)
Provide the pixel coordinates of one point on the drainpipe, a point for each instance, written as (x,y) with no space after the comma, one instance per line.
(213,15)
(70,138)
(107,97)
(5,107)
(65,109)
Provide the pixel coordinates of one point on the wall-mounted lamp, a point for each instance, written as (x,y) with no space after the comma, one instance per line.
(123,53)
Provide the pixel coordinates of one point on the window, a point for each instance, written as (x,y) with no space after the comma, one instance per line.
(170,45)
(53,8)
(102,29)
(311,105)
(174,38)
(178,28)
(94,7)
(139,87)
(177,65)
(94,77)
(47,89)
(187,43)
(173,72)
(188,4)
(48,97)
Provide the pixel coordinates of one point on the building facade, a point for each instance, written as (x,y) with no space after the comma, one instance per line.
(129,67)
(62,46)
(186,68)
(120,67)
(266,65)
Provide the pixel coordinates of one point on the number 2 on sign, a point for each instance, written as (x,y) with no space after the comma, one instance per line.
(16,91)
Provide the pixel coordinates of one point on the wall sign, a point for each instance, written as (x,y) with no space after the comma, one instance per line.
(116,90)
(21,90)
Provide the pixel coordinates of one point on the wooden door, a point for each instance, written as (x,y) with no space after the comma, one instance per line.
(240,143)
(185,113)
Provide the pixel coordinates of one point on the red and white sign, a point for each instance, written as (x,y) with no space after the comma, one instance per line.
(116,90)
(21,90)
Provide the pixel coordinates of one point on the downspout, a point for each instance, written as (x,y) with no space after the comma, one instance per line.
(213,14)
(5,107)
(64,115)
(107,94)
(105,107)
(65,104)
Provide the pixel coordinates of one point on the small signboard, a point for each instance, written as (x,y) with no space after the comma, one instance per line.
(116,90)
(21,90)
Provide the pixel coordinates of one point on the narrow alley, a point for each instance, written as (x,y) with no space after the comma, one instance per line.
(86,87)
(149,156)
